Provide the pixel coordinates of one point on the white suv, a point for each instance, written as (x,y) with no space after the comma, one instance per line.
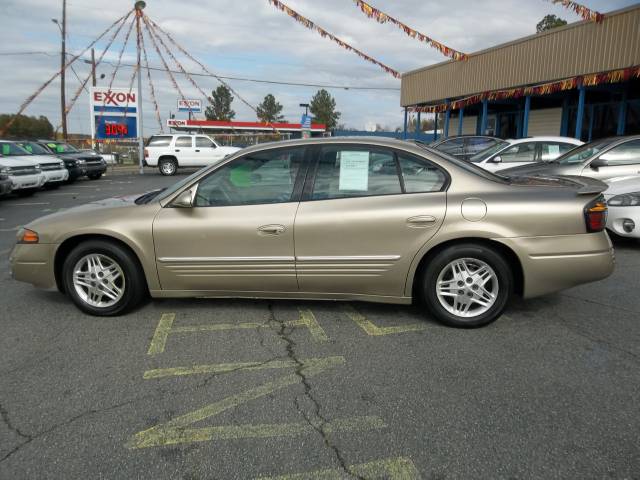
(23,171)
(168,152)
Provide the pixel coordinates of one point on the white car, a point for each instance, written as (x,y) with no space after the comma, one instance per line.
(52,168)
(623,200)
(523,151)
(169,152)
(25,175)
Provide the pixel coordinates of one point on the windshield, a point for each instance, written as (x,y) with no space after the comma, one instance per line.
(167,192)
(469,167)
(35,148)
(583,153)
(62,147)
(12,150)
(484,154)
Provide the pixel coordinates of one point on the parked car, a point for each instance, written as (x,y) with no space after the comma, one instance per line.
(109,158)
(51,167)
(94,164)
(24,173)
(5,181)
(169,152)
(603,159)
(75,167)
(465,146)
(623,200)
(524,151)
(437,228)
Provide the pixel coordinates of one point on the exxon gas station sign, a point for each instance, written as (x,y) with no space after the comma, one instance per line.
(188,105)
(114,113)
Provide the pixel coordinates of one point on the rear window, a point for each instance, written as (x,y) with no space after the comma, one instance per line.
(159,141)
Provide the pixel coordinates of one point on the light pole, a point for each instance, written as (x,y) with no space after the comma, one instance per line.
(306,108)
(139,7)
(63,60)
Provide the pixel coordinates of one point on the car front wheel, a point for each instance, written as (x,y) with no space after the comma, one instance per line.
(94,176)
(168,166)
(103,278)
(467,285)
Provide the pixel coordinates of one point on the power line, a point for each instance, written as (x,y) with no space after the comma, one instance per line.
(240,79)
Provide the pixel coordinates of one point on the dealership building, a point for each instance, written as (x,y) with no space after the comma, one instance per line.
(581,80)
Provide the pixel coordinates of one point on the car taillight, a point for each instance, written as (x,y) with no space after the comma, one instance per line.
(595,215)
(146,153)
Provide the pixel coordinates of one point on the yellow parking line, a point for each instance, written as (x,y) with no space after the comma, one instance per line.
(399,468)
(165,326)
(371,329)
(217,368)
(176,431)
(159,339)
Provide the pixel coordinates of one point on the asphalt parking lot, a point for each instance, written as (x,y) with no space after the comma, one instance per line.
(238,389)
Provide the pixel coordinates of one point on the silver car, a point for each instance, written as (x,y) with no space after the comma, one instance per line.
(602,159)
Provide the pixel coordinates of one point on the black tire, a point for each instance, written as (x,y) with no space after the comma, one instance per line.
(438,263)
(94,176)
(135,287)
(168,166)
(52,186)
(26,192)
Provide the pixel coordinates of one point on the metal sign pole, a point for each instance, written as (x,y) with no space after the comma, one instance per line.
(139,6)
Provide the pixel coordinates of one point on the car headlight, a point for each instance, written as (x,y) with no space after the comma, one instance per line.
(27,236)
(82,162)
(625,200)
(61,165)
(38,169)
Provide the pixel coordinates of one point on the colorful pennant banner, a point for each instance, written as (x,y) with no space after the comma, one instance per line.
(382,17)
(613,76)
(584,12)
(324,34)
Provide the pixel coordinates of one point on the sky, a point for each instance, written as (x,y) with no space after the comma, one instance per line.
(251,38)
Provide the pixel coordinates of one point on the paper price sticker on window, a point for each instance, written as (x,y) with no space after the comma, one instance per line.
(354,170)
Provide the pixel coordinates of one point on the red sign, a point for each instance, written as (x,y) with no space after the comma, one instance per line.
(116,130)
(114,98)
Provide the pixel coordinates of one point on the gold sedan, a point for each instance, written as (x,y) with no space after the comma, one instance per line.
(343,219)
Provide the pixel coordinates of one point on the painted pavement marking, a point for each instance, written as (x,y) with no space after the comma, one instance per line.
(371,329)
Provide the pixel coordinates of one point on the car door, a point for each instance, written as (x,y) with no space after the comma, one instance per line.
(619,161)
(238,235)
(206,151)
(185,151)
(518,154)
(361,223)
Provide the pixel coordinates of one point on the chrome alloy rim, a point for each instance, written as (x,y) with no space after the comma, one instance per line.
(167,168)
(98,280)
(467,287)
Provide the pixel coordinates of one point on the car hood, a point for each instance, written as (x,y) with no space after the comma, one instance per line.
(26,161)
(546,169)
(228,149)
(581,185)
(79,156)
(620,185)
(45,158)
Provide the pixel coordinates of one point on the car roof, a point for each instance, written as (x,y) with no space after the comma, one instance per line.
(545,138)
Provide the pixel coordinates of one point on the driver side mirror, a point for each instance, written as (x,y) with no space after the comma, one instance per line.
(185,199)
(497,159)
(599,162)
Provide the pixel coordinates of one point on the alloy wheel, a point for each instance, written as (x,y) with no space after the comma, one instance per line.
(98,280)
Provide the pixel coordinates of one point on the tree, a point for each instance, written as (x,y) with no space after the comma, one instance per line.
(549,22)
(26,127)
(220,105)
(323,109)
(269,110)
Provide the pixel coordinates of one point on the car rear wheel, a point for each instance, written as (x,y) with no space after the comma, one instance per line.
(168,166)
(103,278)
(467,285)
(26,192)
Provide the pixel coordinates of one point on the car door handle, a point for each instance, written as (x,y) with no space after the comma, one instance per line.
(421,221)
(177,149)
(197,150)
(271,229)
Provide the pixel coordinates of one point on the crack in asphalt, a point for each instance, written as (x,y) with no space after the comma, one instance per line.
(320,423)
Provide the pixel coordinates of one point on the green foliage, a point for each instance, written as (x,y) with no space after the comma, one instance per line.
(270,110)
(549,22)
(26,127)
(220,105)
(323,109)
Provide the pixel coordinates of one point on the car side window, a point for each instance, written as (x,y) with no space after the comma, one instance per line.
(454,146)
(184,142)
(420,176)
(256,178)
(476,144)
(345,172)
(522,152)
(552,150)
(159,141)
(204,142)
(626,154)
